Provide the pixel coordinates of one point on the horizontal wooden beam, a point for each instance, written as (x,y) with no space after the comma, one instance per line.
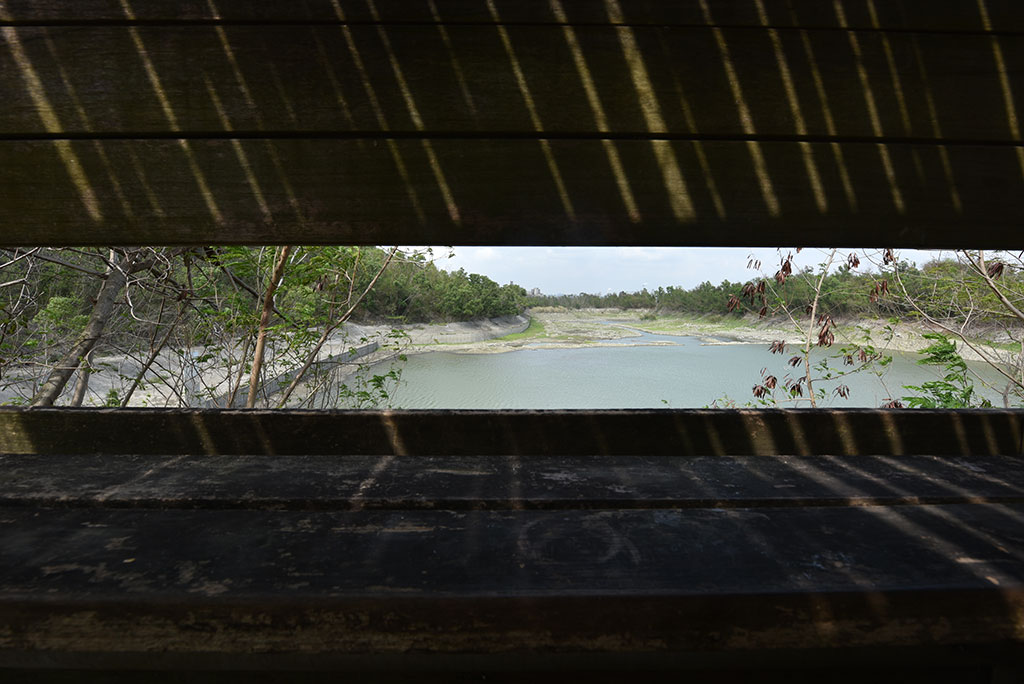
(1005,15)
(103,581)
(525,80)
(571,537)
(524,433)
(311,482)
(509,192)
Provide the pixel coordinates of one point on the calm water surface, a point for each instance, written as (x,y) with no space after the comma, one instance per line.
(687,374)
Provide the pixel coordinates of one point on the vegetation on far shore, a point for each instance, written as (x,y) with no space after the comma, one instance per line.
(260,321)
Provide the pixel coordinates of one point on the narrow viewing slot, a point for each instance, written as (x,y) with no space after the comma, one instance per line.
(510,328)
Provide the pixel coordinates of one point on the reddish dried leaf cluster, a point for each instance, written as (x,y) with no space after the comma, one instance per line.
(880,289)
(767,384)
(756,293)
(785,269)
(825,334)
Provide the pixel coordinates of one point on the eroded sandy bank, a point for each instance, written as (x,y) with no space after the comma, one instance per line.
(614,327)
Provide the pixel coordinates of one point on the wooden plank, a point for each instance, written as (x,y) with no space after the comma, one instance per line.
(1004,15)
(677,432)
(551,482)
(504,192)
(413,79)
(778,667)
(705,580)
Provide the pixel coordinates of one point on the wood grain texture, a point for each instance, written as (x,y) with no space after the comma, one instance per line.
(142,561)
(706,580)
(419,79)
(1003,15)
(503,192)
(551,482)
(623,432)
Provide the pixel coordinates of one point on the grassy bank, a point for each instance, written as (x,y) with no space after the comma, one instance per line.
(536,329)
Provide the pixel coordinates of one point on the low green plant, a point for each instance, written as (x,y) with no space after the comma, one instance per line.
(955,389)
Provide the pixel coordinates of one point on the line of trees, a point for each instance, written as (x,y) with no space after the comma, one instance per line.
(213,322)
(220,324)
(975,298)
(946,289)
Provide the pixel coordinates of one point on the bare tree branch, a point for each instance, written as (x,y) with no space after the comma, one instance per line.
(329,330)
(58,378)
(261,340)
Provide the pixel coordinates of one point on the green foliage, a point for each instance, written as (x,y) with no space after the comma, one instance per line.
(955,389)
(416,292)
(199,309)
(948,289)
(61,315)
(943,289)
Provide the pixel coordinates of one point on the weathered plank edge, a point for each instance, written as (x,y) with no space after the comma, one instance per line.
(930,665)
(496,625)
(45,205)
(907,14)
(502,483)
(653,432)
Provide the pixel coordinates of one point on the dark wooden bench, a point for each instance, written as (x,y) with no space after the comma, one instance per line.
(274,546)
(805,543)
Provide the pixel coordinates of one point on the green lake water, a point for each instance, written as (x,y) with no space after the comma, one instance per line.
(686,374)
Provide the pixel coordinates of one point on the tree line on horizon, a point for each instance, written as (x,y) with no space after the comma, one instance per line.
(945,289)
(60,309)
(975,299)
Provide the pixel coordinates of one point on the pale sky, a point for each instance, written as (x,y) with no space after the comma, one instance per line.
(569,270)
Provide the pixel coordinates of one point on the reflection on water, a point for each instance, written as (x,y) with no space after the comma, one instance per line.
(685,374)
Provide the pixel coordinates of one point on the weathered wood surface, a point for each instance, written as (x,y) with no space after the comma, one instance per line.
(647,126)
(415,79)
(259,575)
(502,192)
(1000,15)
(385,554)
(346,482)
(623,432)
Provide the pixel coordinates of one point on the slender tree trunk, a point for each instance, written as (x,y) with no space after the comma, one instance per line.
(237,384)
(82,385)
(811,324)
(113,285)
(261,339)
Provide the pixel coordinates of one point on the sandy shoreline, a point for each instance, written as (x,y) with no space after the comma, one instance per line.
(539,329)
(614,327)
